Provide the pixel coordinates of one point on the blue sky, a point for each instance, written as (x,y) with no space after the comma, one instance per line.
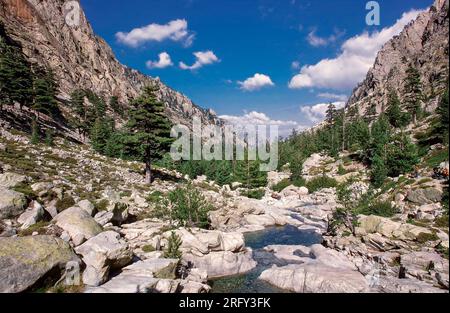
(306,53)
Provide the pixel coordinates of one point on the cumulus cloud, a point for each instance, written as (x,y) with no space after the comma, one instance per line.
(257,118)
(202,58)
(257,82)
(317,113)
(332,96)
(163,62)
(176,30)
(352,64)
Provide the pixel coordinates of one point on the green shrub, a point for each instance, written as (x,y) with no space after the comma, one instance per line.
(379,208)
(426,237)
(173,248)
(442,222)
(321,182)
(282,185)
(26,190)
(148,248)
(254,194)
(154,197)
(341,170)
(101,205)
(64,203)
(299,182)
(184,205)
(39,227)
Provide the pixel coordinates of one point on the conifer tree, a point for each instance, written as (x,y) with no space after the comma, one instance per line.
(413,92)
(331,114)
(101,131)
(35,137)
(150,129)
(16,80)
(379,171)
(45,89)
(442,127)
(401,156)
(397,118)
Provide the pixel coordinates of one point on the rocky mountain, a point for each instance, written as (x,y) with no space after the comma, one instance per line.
(82,60)
(423,44)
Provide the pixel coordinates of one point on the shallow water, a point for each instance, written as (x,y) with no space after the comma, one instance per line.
(249,283)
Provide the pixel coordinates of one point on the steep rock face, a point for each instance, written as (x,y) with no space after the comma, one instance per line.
(424,44)
(82,60)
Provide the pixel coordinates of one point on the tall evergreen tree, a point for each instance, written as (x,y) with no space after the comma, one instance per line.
(16,79)
(442,127)
(401,155)
(100,133)
(150,128)
(413,92)
(397,118)
(331,113)
(45,89)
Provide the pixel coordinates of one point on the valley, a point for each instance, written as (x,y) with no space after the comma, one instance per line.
(91,200)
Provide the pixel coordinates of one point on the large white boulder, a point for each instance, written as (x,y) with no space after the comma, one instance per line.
(79,224)
(102,253)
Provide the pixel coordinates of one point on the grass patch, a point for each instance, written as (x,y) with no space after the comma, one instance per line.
(148,248)
(442,222)
(101,205)
(254,194)
(39,227)
(425,237)
(321,182)
(436,157)
(64,203)
(379,208)
(282,185)
(26,190)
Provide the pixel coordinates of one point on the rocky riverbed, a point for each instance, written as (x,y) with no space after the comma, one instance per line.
(92,228)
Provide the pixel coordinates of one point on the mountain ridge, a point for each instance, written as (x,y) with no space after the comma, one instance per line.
(82,60)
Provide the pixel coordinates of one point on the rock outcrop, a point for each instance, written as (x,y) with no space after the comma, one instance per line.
(82,60)
(23,261)
(424,44)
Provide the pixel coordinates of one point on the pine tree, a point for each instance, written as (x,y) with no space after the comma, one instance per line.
(100,133)
(115,106)
(331,113)
(401,156)
(49,137)
(35,137)
(150,128)
(397,118)
(379,171)
(15,76)
(173,247)
(223,175)
(442,127)
(413,92)
(45,89)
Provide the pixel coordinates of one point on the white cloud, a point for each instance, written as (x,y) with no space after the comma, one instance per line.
(316,41)
(176,30)
(317,113)
(257,118)
(295,65)
(163,62)
(352,64)
(332,96)
(202,58)
(258,81)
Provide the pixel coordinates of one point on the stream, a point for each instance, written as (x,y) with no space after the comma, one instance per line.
(249,282)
